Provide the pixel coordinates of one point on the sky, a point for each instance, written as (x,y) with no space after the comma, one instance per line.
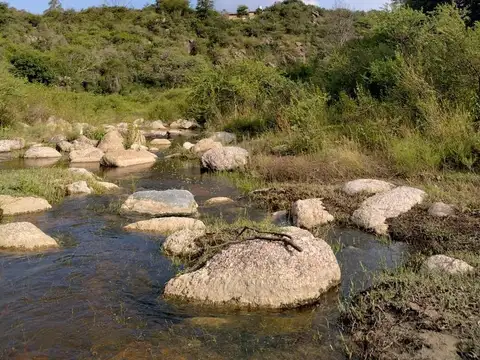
(38,6)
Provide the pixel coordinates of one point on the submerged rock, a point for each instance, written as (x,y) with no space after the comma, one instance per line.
(374,211)
(310,213)
(368,186)
(262,274)
(79,188)
(42,152)
(112,141)
(11,145)
(225,158)
(218,201)
(440,209)
(445,264)
(162,203)
(12,205)
(24,236)
(204,145)
(87,155)
(166,226)
(182,243)
(124,158)
(224,137)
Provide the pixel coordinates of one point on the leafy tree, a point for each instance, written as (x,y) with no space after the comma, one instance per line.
(472,7)
(172,6)
(242,10)
(54,5)
(33,67)
(204,7)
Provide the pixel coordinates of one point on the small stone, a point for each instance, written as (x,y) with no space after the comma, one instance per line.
(310,213)
(161,203)
(218,201)
(79,188)
(42,152)
(24,236)
(445,264)
(182,243)
(188,145)
(368,186)
(166,226)
(161,142)
(87,155)
(107,186)
(12,205)
(440,209)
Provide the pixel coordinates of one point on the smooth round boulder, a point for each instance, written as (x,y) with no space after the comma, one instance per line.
(161,203)
(125,158)
(42,152)
(88,155)
(79,188)
(310,213)
(112,141)
(262,274)
(13,205)
(166,226)
(204,145)
(11,145)
(24,236)
(225,158)
(440,209)
(367,186)
(182,243)
(439,264)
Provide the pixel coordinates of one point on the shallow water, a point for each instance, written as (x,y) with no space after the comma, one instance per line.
(99,297)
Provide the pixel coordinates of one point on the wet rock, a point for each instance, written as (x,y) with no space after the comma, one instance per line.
(184,125)
(79,188)
(158,125)
(161,142)
(42,152)
(262,274)
(310,213)
(86,155)
(374,211)
(107,186)
(225,159)
(218,201)
(188,145)
(445,264)
(204,145)
(369,186)
(182,243)
(124,158)
(155,134)
(440,209)
(162,203)
(12,205)
(65,146)
(166,226)
(24,236)
(11,145)
(138,147)
(112,141)
(82,171)
(224,137)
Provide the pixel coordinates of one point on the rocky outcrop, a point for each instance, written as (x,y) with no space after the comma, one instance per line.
(11,145)
(310,213)
(218,201)
(182,243)
(12,205)
(112,141)
(87,155)
(439,264)
(24,236)
(367,186)
(262,274)
(79,188)
(42,152)
(225,159)
(440,209)
(161,203)
(166,226)
(204,145)
(124,158)
(224,137)
(374,211)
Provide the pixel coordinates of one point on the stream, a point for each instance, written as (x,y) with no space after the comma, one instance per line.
(99,297)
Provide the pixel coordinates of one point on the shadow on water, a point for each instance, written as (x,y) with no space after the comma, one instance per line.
(99,297)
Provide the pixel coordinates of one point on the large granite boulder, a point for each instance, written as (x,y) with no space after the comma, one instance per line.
(11,145)
(42,152)
(13,205)
(225,158)
(87,155)
(442,264)
(262,274)
(183,243)
(124,158)
(166,226)
(161,203)
(367,186)
(112,141)
(204,145)
(24,236)
(310,213)
(374,211)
